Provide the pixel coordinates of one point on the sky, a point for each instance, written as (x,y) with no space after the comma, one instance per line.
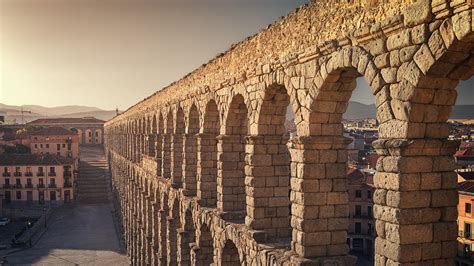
(114,53)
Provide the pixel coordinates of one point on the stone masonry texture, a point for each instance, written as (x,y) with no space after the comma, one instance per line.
(204,173)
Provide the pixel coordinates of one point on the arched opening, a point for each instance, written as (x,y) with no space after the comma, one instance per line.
(159,146)
(152,137)
(230,254)
(177,149)
(207,157)
(231,153)
(190,152)
(268,167)
(186,238)
(88,136)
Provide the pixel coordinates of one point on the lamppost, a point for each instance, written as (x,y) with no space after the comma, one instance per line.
(44,215)
(28,224)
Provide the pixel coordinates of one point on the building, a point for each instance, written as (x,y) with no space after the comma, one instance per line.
(465,223)
(55,140)
(90,129)
(37,178)
(361,234)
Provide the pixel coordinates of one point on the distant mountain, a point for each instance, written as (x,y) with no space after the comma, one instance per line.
(14,114)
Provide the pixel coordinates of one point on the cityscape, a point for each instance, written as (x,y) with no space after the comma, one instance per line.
(340,134)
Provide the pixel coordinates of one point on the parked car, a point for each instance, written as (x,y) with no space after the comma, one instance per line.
(4,221)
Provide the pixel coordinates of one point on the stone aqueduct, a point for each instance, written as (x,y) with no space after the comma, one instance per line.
(204,172)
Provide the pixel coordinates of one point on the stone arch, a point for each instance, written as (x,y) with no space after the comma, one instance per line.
(159,145)
(167,145)
(207,156)
(268,167)
(190,152)
(186,236)
(231,154)
(230,255)
(152,137)
(177,148)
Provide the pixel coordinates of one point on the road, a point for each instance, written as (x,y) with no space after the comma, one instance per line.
(78,234)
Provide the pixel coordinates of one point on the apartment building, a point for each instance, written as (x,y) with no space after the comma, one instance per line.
(37,178)
(55,140)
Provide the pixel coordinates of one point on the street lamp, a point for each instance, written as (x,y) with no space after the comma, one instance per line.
(28,224)
(44,215)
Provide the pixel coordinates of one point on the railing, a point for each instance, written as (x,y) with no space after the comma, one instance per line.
(40,174)
(40,185)
(17,174)
(29,186)
(52,173)
(465,235)
(6,174)
(7,186)
(52,185)
(67,184)
(69,174)
(17,186)
(28,174)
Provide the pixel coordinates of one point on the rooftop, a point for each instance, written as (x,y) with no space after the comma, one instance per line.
(33,159)
(50,131)
(59,121)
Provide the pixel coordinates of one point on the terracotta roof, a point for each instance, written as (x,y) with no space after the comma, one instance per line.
(356,176)
(33,159)
(51,131)
(466,186)
(52,121)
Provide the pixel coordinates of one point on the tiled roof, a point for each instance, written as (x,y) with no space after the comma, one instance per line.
(52,121)
(51,131)
(466,186)
(33,159)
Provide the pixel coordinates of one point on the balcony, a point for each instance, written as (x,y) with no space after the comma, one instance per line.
(17,174)
(68,174)
(40,174)
(52,185)
(40,186)
(52,174)
(67,184)
(28,174)
(17,186)
(6,174)
(7,186)
(465,235)
(29,186)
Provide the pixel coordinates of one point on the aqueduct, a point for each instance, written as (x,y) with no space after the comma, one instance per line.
(204,172)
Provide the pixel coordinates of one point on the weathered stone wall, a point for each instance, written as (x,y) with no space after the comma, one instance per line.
(205,172)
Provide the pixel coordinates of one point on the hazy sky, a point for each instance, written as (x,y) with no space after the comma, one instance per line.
(109,53)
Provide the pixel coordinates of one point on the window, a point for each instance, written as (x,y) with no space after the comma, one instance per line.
(18,195)
(17,169)
(51,169)
(53,181)
(58,146)
(358,210)
(5,169)
(7,181)
(47,146)
(18,181)
(358,194)
(358,228)
(41,145)
(40,181)
(68,146)
(58,153)
(64,145)
(467,230)
(97,134)
(369,211)
(90,134)
(468,207)
(36,146)
(369,194)
(369,228)
(467,250)
(28,181)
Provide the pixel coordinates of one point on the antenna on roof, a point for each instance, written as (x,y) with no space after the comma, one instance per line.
(116,111)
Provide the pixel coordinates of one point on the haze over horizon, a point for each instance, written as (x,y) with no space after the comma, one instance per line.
(110,54)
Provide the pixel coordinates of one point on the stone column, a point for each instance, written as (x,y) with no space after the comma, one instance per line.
(415,202)
(183,252)
(166,162)
(319,199)
(207,170)
(155,233)
(151,145)
(162,236)
(171,243)
(148,230)
(159,154)
(190,164)
(230,173)
(267,185)
(177,160)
